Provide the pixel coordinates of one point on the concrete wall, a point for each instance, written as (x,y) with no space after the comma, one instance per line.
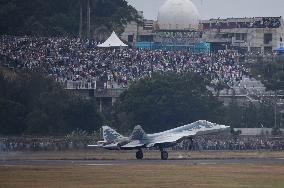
(130,29)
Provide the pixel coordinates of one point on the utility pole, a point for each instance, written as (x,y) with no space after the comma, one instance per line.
(85,19)
(275,111)
(88,19)
(81,20)
(281,118)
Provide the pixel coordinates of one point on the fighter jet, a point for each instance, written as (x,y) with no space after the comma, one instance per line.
(139,139)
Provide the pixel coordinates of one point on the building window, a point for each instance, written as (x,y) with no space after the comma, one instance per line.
(130,38)
(267,38)
(267,49)
(145,38)
(238,36)
(241,37)
(245,37)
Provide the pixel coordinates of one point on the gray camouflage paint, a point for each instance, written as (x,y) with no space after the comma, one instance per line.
(139,139)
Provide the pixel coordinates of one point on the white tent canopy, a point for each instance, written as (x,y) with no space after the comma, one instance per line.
(112,41)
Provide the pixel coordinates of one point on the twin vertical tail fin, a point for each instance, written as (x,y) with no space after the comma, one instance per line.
(138,133)
(110,135)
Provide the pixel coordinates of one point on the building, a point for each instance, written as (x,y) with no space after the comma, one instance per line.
(179,27)
(262,34)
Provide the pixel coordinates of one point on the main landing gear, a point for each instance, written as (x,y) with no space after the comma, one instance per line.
(139,154)
(164,154)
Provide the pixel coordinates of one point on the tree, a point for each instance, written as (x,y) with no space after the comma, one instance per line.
(37,123)
(271,74)
(165,101)
(61,17)
(12,116)
(234,114)
(32,103)
(276,131)
(83,114)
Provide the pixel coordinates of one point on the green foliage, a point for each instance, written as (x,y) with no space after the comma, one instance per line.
(60,17)
(83,113)
(166,101)
(238,115)
(37,122)
(32,103)
(170,100)
(12,115)
(235,133)
(234,115)
(271,74)
(276,131)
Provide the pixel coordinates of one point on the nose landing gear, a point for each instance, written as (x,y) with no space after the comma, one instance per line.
(164,154)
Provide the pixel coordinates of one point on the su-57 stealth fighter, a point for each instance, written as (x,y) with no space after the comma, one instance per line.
(139,139)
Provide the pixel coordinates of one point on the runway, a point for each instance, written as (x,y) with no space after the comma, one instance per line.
(140,162)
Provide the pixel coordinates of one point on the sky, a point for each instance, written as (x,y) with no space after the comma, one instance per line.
(219,8)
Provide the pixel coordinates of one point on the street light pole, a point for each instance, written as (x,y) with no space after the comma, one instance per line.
(88,19)
(275,111)
(81,20)
(85,19)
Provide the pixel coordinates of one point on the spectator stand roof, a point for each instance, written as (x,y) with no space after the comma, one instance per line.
(112,41)
(280,50)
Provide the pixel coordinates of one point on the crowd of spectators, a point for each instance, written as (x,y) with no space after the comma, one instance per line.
(40,144)
(222,142)
(177,37)
(79,60)
(264,22)
(269,22)
(199,143)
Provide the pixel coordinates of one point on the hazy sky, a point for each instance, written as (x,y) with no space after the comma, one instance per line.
(219,8)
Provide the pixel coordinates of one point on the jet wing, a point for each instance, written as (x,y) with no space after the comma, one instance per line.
(186,131)
(134,144)
(170,138)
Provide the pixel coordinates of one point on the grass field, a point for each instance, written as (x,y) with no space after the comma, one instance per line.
(132,176)
(137,175)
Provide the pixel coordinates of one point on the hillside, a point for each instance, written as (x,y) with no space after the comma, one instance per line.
(61,18)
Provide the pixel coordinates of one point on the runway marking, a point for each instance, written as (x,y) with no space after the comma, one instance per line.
(207,163)
(98,164)
(9,165)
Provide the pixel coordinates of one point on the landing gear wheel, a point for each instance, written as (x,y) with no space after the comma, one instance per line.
(190,144)
(139,155)
(164,155)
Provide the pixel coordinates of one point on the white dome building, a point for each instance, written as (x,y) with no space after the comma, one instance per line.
(178,15)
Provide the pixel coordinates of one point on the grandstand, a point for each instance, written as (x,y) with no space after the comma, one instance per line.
(165,45)
(106,73)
